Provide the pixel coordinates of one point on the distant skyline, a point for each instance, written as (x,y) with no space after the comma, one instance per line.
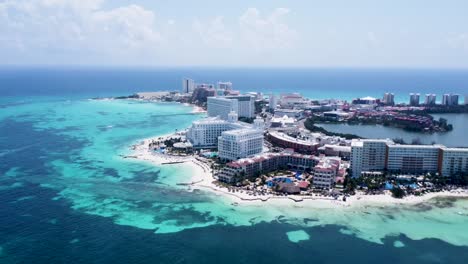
(334,33)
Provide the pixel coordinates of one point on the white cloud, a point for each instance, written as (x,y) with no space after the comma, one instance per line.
(213,33)
(76,27)
(131,27)
(372,38)
(266,33)
(459,41)
(73,4)
(85,31)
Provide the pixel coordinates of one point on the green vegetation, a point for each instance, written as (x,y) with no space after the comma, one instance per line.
(443,123)
(390,121)
(398,192)
(310,125)
(247,119)
(376,183)
(259,105)
(443,109)
(133,96)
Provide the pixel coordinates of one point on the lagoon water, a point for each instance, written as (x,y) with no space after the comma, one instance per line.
(458,137)
(69,197)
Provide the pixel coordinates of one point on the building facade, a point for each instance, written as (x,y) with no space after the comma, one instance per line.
(430,99)
(414,159)
(265,163)
(292,100)
(294,113)
(224,85)
(450,99)
(414,99)
(454,161)
(368,155)
(389,99)
(220,106)
(384,155)
(246,105)
(272,102)
(240,143)
(188,85)
(325,172)
(298,145)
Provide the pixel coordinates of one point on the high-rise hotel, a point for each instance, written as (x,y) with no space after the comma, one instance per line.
(243,105)
(375,155)
(234,139)
(188,85)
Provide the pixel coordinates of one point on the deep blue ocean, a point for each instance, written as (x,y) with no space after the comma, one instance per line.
(67,197)
(314,83)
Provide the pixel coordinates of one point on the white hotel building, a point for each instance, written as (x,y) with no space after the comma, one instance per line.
(246,105)
(188,85)
(413,158)
(241,143)
(204,133)
(221,106)
(325,173)
(243,105)
(368,155)
(234,139)
(384,155)
(454,161)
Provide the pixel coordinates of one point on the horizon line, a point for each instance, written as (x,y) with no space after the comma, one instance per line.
(120,66)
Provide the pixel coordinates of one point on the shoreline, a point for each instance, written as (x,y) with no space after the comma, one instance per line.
(202,179)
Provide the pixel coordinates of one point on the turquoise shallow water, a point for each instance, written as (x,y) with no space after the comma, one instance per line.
(65,153)
(68,197)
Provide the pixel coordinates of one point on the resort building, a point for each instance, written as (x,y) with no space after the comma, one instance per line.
(224,86)
(368,156)
(454,99)
(389,99)
(265,163)
(368,100)
(294,113)
(246,105)
(450,99)
(343,152)
(272,102)
(282,122)
(430,99)
(325,172)
(414,159)
(298,145)
(204,133)
(205,85)
(292,100)
(188,85)
(241,143)
(221,106)
(336,115)
(414,99)
(454,161)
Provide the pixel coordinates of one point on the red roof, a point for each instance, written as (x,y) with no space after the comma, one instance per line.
(303,184)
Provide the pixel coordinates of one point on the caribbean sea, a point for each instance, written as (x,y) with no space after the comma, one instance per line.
(68,195)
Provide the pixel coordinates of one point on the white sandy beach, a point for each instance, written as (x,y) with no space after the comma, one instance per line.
(202,179)
(196,109)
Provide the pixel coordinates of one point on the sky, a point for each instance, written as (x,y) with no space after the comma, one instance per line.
(265,33)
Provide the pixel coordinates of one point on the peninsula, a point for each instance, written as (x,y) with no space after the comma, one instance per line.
(259,148)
